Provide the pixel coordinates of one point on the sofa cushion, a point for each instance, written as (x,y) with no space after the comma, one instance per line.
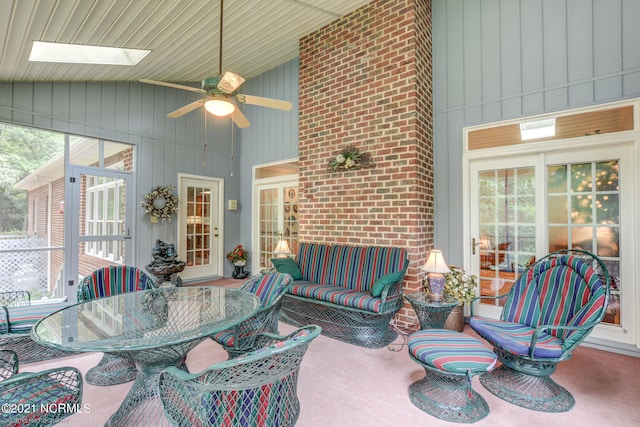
(351,267)
(287,265)
(336,295)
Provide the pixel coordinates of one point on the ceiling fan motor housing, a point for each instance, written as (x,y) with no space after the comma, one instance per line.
(210,84)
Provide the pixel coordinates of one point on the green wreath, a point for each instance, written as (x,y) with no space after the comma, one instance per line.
(161,203)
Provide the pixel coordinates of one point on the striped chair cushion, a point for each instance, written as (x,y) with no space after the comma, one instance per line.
(451,351)
(515,338)
(351,267)
(336,295)
(22,318)
(560,291)
(113,280)
(269,287)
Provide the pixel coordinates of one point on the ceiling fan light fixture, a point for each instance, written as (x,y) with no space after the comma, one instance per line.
(230,82)
(219,107)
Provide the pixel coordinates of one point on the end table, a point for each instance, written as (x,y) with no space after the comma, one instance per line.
(431,313)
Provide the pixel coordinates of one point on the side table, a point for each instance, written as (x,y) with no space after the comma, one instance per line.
(432,313)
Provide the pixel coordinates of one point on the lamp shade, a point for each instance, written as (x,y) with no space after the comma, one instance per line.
(219,107)
(436,263)
(282,249)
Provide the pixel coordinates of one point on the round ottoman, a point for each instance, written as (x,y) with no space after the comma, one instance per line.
(450,360)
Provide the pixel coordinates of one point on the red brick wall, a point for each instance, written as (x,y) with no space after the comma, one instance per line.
(365,81)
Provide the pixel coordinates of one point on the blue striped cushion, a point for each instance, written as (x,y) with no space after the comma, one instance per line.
(113,280)
(337,295)
(558,291)
(516,337)
(227,337)
(22,318)
(451,351)
(352,267)
(313,260)
(269,287)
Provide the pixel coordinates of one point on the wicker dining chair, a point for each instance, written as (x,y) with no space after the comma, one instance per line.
(37,398)
(255,389)
(8,364)
(269,288)
(103,282)
(548,312)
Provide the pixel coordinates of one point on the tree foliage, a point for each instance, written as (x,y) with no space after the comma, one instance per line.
(22,151)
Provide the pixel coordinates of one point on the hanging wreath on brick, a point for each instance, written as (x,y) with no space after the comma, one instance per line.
(161,203)
(350,158)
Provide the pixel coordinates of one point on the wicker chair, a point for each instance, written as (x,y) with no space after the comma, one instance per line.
(8,364)
(257,388)
(269,288)
(548,312)
(104,282)
(17,317)
(38,398)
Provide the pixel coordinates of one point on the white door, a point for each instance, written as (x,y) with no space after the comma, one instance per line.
(524,207)
(199,226)
(101,227)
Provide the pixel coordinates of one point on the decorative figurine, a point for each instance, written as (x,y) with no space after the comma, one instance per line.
(165,264)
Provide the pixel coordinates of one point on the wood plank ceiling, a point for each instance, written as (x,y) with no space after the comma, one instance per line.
(183,35)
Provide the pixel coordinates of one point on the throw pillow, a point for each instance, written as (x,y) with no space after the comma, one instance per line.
(378,286)
(287,265)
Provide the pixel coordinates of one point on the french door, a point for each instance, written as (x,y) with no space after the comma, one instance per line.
(199,226)
(526,206)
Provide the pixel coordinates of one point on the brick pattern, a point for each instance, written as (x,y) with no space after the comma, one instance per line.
(365,81)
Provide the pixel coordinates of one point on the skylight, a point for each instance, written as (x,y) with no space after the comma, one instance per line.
(538,129)
(82,54)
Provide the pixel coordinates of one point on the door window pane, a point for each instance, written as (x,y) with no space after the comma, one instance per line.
(593,216)
(507,226)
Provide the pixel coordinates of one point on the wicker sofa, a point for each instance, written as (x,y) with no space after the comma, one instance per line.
(352,292)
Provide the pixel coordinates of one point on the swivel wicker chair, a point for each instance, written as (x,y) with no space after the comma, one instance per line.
(38,398)
(104,282)
(258,388)
(269,288)
(548,312)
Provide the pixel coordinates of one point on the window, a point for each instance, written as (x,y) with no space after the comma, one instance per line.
(105,204)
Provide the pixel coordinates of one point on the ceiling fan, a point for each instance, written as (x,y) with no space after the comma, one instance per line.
(221,95)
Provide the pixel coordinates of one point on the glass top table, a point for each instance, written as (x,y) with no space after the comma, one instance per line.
(154,328)
(431,312)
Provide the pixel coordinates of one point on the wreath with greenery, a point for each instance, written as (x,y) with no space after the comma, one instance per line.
(161,203)
(348,159)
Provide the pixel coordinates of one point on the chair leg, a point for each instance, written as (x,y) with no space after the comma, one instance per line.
(539,393)
(448,397)
(112,370)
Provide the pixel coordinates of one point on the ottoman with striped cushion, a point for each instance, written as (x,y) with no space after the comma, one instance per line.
(450,360)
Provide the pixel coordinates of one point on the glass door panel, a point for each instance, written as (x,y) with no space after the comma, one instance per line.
(278,218)
(506,219)
(583,204)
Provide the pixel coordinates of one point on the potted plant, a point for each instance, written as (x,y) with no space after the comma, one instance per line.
(461,286)
(238,256)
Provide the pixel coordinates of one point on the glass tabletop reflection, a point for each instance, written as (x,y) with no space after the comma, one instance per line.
(145,319)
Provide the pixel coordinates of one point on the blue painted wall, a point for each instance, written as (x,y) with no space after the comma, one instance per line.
(496,60)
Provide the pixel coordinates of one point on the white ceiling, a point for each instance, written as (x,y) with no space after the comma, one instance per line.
(183,35)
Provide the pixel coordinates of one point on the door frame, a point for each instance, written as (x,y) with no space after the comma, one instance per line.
(606,335)
(72,237)
(191,274)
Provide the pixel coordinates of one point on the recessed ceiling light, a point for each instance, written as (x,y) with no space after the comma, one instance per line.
(538,129)
(82,54)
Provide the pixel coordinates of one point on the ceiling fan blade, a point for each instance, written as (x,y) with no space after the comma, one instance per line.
(240,119)
(186,109)
(264,102)
(173,85)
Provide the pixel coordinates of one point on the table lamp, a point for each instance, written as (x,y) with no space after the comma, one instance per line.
(282,249)
(436,267)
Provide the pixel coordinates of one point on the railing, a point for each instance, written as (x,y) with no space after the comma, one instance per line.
(24,264)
